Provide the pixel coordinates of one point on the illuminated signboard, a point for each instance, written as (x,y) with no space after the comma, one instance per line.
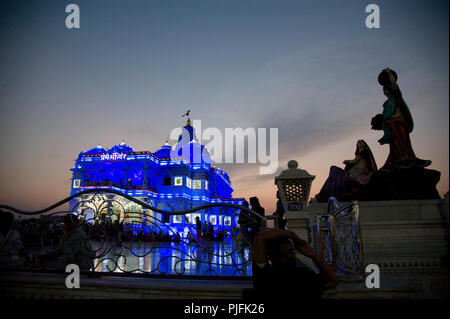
(113,156)
(76,183)
(295,206)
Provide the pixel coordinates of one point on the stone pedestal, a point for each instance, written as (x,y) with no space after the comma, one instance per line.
(407,239)
(302,227)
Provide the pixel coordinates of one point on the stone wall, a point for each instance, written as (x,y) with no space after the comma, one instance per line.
(407,239)
(52,286)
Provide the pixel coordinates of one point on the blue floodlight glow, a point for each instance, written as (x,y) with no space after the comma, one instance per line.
(151,176)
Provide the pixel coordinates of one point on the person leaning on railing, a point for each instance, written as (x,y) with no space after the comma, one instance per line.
(278,273)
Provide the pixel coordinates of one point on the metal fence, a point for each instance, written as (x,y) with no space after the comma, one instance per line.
(337,237)
(127,242)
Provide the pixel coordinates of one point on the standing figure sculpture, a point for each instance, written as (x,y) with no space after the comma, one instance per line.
(396,123)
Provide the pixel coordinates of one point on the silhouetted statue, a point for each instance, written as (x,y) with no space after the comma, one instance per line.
(396,123)
(403,176)
(346,182)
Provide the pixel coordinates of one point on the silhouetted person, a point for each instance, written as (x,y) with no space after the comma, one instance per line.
(278,273)
(279,213)
(256,220)
(210,231)
(244,222)
(198,225)
(205,231)
(75,245)
(12,252)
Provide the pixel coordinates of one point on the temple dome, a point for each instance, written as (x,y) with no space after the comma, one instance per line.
(164,151)
(121,148)
(189,148)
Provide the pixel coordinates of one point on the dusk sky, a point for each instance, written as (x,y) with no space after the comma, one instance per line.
(308,68)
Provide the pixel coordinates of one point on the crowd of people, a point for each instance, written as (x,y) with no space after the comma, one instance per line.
(22,236)
(275,267)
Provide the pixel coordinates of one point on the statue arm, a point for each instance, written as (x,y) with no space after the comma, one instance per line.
(353,161)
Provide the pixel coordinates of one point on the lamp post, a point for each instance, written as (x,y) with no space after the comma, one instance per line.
(294,185)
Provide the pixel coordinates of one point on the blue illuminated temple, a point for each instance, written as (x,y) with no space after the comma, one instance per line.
(174,178)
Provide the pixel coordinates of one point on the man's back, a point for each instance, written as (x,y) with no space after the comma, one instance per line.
(270,281)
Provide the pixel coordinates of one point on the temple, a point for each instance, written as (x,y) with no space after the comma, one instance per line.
(174,178)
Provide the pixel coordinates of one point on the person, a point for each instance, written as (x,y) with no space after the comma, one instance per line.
(210,231)
(279,213)
(243,221)
(198,225)
(205,231)
(397,124)
(12,252)
(278,273)
(256,220)
(357,172)
(75,245)
(75,248)
(190,237)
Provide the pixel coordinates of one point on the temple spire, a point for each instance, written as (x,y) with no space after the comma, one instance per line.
(188,112)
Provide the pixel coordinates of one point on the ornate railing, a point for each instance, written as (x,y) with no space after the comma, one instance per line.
(121,241)
(337,237)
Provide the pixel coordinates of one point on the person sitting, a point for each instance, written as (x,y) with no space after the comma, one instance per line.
(343,183)
(277,272)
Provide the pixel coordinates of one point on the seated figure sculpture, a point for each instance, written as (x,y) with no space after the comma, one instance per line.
(403,175)
(341,183)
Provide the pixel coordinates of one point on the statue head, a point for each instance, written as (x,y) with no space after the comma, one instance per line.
(387,76)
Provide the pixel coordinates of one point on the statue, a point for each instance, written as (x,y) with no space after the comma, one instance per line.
(403,176)
(396,123)
(345,183)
